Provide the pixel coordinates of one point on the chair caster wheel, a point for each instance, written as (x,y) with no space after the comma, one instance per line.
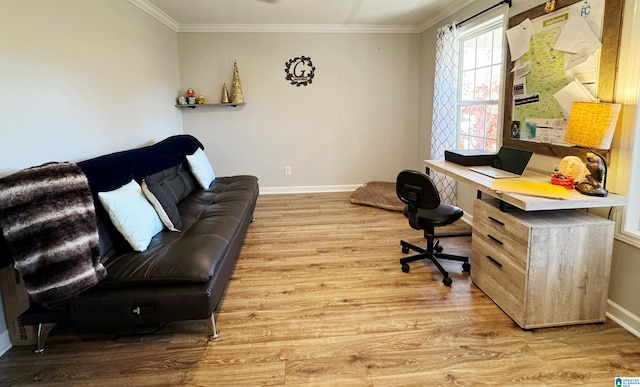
(405,268)
(438,248)
(466,267)
(447,281)
(405,249)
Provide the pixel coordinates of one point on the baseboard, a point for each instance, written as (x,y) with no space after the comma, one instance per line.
(5,342)
(309,189)
(623,317)
(467,218)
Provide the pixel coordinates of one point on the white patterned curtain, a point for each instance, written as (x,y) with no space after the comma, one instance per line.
(445,89)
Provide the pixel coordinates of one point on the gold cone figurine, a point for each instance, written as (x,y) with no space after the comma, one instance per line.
(236,89)
(225,94)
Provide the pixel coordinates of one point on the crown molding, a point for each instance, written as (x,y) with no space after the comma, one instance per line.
(170,22)
(156,13)
(453,7)
(300,28)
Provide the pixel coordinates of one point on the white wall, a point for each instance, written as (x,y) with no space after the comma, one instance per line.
(80,79)
(624,304)
(357,121)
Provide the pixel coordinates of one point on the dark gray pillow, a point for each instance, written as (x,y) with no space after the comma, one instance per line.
(165,190)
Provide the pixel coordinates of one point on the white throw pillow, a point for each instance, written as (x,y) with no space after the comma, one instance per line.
(201,168)
(132,214)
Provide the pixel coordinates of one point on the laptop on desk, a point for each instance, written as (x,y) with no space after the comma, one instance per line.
(508,163)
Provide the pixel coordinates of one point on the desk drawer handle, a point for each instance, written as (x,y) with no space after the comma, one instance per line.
(491,218)
(490,258)
(498,241)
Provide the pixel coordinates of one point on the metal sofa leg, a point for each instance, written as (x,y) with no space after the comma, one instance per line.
(43,333)
(213,332)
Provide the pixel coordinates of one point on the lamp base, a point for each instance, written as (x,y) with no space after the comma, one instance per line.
(586,188)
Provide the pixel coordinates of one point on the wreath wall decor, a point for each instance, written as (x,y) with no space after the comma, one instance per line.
(300,71)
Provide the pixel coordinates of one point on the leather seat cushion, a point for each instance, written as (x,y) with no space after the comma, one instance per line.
(442,215)
(210,220)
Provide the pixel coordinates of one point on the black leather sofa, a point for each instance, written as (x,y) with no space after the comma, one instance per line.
(181,275)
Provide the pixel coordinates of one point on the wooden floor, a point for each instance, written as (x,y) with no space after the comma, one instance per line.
(318,299)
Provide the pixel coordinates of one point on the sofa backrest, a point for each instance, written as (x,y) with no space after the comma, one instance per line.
(111,171)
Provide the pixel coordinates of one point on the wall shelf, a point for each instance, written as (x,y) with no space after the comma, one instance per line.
(193,106)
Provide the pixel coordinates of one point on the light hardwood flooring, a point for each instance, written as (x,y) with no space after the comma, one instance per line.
(318,299)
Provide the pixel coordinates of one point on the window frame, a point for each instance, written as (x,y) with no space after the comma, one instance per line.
(474,30)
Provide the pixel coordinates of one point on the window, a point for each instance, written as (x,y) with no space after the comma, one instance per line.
(466,91)
(479,86)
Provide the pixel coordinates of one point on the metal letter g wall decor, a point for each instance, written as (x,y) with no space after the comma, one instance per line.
(300,71)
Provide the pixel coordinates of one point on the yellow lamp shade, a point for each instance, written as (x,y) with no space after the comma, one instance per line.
(591,124)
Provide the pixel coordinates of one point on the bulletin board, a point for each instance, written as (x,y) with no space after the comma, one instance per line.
(535,110)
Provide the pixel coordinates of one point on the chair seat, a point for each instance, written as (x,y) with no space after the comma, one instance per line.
(443,215)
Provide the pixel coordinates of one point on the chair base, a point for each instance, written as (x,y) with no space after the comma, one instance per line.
(433,255)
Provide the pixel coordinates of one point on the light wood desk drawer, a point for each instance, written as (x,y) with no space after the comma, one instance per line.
(501,245)
(499,277)
(486,211)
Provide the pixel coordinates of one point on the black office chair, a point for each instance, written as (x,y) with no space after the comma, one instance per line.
(425,212)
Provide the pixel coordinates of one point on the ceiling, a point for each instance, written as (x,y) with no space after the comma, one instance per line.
(408,16)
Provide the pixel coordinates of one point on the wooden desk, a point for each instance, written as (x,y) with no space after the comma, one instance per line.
(547,265)
(524,202)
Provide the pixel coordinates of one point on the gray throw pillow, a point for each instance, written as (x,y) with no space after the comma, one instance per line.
(165,190)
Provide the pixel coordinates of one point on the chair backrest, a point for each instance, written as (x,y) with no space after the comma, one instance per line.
(417,189)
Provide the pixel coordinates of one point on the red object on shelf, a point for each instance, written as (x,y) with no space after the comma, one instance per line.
(561,180)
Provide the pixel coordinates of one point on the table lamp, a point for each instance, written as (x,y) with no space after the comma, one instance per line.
(591,125)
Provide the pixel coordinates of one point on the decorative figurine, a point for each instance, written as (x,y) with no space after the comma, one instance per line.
(597,172)
(190,92)
(596,167)
(225,94)
(550,6)
(200,100)
(182,100)
(236,89)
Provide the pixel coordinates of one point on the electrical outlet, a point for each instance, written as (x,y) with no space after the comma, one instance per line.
(287,170)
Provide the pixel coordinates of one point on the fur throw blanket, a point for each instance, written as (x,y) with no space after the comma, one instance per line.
(48,220)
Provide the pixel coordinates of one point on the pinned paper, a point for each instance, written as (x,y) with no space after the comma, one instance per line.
(575,60)
(577,37)
(521,69)
(573,92)
(519,88)
(519,38)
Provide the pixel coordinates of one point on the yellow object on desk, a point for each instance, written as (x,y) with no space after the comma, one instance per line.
(532,188)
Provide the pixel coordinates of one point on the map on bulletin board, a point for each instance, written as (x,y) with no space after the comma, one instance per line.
(558,65)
